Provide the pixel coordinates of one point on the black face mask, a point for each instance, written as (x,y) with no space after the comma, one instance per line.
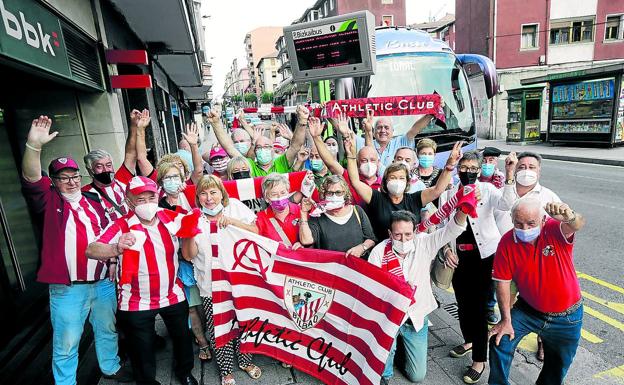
(467,178)
(105,178)
(241,175)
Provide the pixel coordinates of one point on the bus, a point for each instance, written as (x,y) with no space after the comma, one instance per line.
(411,62)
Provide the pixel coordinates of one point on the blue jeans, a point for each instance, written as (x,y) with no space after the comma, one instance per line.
(561,337)
(69,308)
(415,343)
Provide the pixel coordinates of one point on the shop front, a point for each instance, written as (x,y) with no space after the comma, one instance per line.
(586,107)
(524,111)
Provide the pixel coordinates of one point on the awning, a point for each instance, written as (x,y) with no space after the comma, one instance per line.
(570,75)
(196,93)
(166,27)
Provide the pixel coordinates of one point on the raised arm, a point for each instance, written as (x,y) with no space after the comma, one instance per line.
(305,234)
(328,158)
(418,126)
(368,128)
(363,190)
(432,193)
(244,123)
(130,156)
(38,136)
(299,135)
(571,221)
(192,137)
(145,166)
(214,117)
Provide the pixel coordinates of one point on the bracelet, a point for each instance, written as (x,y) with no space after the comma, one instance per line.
(571,220)
(32,147)
(351,157)
(449,167)
(302,221)
(364,247)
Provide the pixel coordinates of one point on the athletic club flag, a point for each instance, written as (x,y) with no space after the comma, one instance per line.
(331,316)
(251,188)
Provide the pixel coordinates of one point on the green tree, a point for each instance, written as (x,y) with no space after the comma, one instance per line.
(251,97)
(236,98)
(266,97)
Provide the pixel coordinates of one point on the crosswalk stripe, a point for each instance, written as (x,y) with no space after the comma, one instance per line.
(618,307)
(600,282)
(604,318)
(594,339)
(616,374)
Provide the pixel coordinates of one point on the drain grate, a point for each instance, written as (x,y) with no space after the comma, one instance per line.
(452,309)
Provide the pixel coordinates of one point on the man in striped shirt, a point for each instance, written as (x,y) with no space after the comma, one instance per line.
(146,241)
(78,286)
(109,185)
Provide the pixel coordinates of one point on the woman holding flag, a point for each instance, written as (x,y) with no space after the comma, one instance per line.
(218,211)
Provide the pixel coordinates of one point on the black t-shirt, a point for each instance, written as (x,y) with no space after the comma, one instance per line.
(381,207)
(329,235)
(432,179)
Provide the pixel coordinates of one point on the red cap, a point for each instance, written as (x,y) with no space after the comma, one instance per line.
(141,184)
(60,163)
(217,151)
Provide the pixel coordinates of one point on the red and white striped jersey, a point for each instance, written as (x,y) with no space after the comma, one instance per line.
(155,284)
(83,226)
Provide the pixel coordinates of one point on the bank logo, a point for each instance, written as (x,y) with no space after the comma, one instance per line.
(306,301)
(20,28)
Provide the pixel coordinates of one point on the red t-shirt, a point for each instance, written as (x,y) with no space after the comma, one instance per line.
(290,224)
(544,272)
(356,197)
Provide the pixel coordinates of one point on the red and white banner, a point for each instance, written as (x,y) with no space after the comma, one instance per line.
(331,316)
(251,188)
(388,106)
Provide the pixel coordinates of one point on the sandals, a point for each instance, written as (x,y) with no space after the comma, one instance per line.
(459,351)
(471,376)
(204,354)
(286,366)
(252,370)
(230,381)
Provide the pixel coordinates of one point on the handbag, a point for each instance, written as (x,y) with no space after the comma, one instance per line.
(441,275)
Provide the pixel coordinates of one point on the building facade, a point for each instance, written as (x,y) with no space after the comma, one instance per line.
(532,39)
(267,73)
(259,43)
(64,74)
(443,29)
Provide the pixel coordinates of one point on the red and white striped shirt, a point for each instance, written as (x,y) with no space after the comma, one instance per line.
(83,226)
(156,284)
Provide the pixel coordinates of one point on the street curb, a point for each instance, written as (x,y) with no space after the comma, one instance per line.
(576,159)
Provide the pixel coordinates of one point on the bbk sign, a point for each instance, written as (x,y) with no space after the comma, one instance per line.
(32,34)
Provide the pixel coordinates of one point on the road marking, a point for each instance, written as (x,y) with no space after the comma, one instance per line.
(616,374)
(594,178)
(604,318)
(586,201)
(579,163)
(600,282)
(594,339)
(618,307)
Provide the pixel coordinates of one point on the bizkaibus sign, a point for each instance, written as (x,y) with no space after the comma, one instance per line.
(30,33)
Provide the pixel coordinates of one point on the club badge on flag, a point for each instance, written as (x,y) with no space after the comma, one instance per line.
(331,316)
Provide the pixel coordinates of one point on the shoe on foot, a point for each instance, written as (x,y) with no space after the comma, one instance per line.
(188,380)
(384,381)
(122,375)
(471,376)
(492,317)
(459,351)
(540,350)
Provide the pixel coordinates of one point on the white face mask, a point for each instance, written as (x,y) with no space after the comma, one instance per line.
(396,186)
(332,149)
(526,177)
(368,169)
(403,247)
(334,203)
(72,197)
(146,211)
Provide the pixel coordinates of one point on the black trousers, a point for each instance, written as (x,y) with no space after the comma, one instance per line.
(471,283)
(138,327)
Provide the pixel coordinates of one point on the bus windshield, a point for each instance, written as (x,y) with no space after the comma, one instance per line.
(426,73)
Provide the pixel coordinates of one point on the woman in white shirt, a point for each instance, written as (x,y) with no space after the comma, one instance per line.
(409,254)
(217,207)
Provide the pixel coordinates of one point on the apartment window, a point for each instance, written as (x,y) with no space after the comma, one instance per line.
(614,27)
(576,31)
(387,20)
(529,36)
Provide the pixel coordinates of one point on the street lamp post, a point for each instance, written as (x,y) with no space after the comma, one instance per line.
(242,90)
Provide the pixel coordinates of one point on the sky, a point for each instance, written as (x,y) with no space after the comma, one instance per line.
(230,20)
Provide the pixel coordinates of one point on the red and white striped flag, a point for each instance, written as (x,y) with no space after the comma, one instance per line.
(251,188)
(331,316)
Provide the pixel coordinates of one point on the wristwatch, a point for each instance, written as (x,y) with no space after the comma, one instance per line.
(510,181)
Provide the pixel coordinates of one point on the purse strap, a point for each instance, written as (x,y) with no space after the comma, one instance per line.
(280,232)
(105,196)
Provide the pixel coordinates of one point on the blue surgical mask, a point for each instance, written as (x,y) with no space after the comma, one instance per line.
(212,212)
(487,169)
(264,156)
(316,164)
(527,235)
(242,147)
(426,161)
(172,185)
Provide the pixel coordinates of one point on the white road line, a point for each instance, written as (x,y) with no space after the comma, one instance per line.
(590,202)
(602,179)
(579,163)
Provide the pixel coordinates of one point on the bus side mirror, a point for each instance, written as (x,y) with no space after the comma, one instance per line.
(485,66)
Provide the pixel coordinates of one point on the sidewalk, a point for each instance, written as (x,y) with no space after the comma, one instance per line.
(444,334)
(599,155)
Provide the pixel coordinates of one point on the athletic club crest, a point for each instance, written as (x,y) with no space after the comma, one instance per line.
(306,301)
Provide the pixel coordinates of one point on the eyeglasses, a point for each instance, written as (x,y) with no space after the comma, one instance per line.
(334,193)
(469,169)
(66,179)
(172,177)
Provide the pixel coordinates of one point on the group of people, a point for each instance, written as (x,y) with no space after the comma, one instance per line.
(114,250)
